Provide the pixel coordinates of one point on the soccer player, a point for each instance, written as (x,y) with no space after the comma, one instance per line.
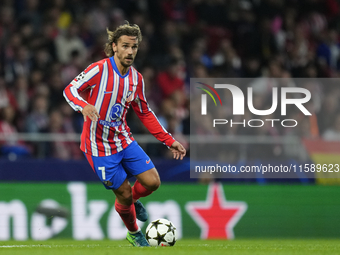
(112,86)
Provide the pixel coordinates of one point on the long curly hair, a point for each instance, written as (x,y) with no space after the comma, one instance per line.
(125,29)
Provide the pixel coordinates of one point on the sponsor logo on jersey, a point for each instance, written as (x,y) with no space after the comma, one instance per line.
(116,112)
(110,124)
(115,117)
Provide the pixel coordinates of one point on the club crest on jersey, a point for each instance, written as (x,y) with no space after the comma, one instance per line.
(129,96)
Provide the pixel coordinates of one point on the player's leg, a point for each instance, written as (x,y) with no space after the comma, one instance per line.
(113,176)
(125,207)
(124,193)
(147,182)
(136,162)
(126,211)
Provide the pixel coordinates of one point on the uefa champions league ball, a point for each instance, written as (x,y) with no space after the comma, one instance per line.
(161,232)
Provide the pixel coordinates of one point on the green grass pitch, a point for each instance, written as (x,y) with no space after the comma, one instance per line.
(184,246)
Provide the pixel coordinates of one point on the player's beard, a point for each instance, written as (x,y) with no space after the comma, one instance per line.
(123,59)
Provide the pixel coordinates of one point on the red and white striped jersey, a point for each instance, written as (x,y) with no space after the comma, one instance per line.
(112,94)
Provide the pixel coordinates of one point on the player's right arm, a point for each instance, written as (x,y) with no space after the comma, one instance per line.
(85,80)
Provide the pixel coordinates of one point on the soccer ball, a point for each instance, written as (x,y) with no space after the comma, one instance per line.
(161,232)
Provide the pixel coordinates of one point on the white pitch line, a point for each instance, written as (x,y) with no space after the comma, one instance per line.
(46,246)
(23,246)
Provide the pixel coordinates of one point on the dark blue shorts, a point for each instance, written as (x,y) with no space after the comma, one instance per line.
(113,170)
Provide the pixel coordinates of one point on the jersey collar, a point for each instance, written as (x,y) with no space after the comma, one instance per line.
(113,63)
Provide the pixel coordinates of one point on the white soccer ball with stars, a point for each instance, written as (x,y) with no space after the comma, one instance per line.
(161,232)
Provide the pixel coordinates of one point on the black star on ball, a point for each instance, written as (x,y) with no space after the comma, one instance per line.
(160,238)
(155,224)
(170,227)
(172,243)
(147,236)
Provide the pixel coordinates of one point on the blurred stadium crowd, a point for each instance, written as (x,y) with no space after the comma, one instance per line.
(45,44)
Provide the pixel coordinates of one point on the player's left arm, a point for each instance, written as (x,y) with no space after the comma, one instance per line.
(150,121)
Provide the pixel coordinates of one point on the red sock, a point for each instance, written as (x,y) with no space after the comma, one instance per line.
(139,191)
(128,215)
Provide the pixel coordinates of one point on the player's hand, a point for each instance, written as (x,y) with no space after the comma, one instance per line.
(178,150)
(91,112)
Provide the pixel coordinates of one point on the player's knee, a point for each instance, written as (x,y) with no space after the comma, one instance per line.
(150,179)
(124,194)
(125,198)
(155,184)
